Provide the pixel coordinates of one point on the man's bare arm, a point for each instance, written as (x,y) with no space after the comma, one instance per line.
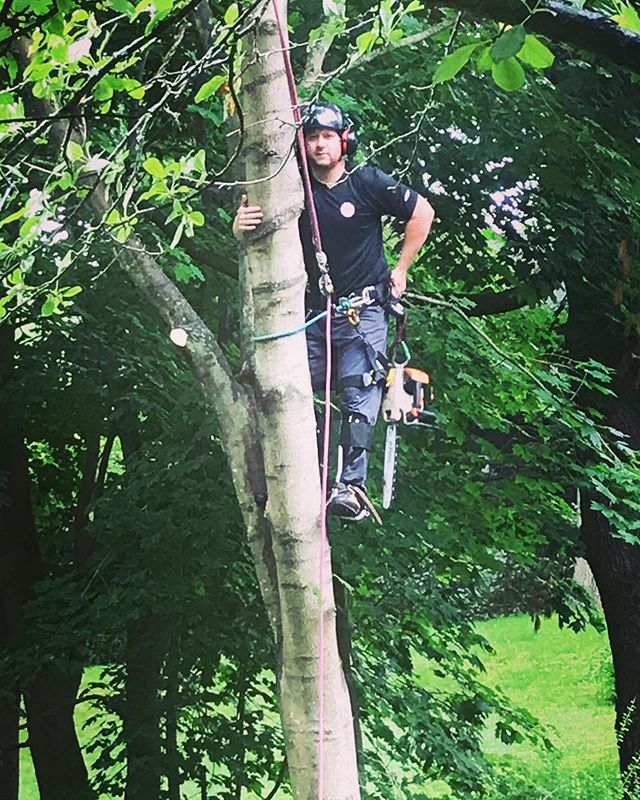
(415,235)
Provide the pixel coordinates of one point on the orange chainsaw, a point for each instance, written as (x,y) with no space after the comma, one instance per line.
(407,393)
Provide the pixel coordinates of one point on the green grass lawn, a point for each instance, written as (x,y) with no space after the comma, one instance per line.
(553,673)
(556,675)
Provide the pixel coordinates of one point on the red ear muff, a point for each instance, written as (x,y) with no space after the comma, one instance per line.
(344,138)
(349,141)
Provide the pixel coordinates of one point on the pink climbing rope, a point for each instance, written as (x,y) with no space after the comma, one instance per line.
(324,486)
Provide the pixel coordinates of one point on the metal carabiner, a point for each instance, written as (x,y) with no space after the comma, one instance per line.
(353,315)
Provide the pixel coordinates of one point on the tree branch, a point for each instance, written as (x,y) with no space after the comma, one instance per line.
(313,74)
(281,776)
(315,60)
(407,41)
(420,298)
(488,302)
(231,402)
(584,29)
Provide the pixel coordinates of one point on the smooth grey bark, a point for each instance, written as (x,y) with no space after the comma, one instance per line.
(275,281)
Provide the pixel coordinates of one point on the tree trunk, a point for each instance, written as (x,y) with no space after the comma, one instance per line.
(141,719)
(172,710)
(9,750)
(596,330)
(275,277)
(343,629)
(10,696)
(60,769)
(616,566)
(49,693)
(9,731)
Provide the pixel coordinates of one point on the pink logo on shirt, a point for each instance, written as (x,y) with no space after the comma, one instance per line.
(347,209)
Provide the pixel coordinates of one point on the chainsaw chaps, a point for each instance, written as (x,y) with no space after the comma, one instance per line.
(389,470)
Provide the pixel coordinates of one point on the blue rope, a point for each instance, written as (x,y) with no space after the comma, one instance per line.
(266,336)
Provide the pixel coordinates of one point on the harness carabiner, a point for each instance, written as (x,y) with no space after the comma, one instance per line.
(353,315)
(325,283)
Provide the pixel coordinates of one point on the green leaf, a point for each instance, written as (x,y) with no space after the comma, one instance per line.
(177,210)
(484,60)
(365,41)
(414,5)
(49,306)
(65,261)
(11,66)
(13,217)
(157,187)
(208,88)
(135,89)
(509,75)
(113,217)
(508,44)
(627,18)
(28,225)
(155,167)
(74,151)
(453,63)
(71,291)
(385,15)
(143,5)
(535,53)
(231,14)
(178,233)
(199,161)
(122,233)
(197,217)
(186,272)
(123,6)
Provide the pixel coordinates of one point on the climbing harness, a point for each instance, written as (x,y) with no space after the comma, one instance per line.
(407,393)
(349,306)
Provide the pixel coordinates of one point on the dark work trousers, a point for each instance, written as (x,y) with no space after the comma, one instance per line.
(350,358)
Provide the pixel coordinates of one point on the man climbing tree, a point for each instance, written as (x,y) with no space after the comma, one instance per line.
(350,202)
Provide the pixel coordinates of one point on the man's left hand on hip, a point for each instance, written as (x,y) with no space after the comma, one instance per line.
(398,282)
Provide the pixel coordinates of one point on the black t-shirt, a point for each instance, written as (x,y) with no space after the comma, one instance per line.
(350,219)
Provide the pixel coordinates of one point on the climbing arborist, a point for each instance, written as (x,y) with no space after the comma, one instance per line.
(350,202)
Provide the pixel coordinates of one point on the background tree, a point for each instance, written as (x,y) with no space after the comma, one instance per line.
(100,180)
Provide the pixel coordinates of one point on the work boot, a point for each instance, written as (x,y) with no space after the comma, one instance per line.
(345,503)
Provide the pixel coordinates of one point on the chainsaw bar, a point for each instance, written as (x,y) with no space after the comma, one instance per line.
(389,470)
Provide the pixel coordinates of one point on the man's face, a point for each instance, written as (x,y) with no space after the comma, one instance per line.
(324,147)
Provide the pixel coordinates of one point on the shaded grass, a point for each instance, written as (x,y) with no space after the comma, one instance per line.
(553,673)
